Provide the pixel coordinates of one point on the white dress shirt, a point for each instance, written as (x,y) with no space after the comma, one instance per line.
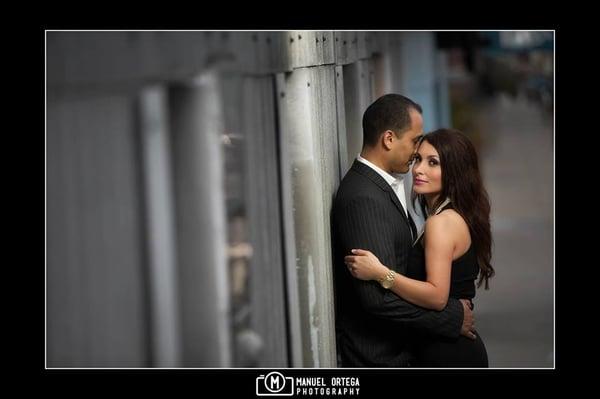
(396,181)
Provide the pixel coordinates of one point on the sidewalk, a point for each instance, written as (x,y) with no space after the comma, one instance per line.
(515,317)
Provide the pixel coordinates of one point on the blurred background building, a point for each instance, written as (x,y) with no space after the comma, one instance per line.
(190,177)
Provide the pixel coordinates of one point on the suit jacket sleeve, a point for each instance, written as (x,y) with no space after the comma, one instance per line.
(365,223)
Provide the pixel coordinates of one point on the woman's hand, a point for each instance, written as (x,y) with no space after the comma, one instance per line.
(364,265)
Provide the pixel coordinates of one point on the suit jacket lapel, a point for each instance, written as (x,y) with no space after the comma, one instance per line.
(376,178)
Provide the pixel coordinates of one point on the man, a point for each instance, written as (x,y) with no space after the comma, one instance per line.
(373,325)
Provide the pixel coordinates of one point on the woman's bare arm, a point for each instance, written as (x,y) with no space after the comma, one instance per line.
(439,249)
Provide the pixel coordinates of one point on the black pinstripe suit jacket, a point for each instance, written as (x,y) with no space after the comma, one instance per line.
(373,325)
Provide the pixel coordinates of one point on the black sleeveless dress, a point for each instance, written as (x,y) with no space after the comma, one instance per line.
(434,351)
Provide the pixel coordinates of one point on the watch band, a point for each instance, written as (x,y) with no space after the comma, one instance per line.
(387,281)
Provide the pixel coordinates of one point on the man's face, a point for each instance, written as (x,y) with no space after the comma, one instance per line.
(403,148)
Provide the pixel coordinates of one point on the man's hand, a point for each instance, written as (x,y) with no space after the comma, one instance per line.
(468,325)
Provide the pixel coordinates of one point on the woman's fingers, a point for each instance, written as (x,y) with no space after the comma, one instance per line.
(349,263)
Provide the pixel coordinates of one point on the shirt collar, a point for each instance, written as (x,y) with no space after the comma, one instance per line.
(391,179)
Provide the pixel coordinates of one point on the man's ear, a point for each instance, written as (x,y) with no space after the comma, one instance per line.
(387,139)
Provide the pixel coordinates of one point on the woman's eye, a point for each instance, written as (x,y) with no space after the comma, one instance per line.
(433,162)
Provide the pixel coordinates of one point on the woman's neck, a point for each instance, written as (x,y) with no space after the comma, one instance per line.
(431,200)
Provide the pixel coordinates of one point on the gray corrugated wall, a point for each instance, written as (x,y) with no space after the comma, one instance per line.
(95,278)
(95,224)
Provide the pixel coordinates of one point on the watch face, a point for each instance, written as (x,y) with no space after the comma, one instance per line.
(387,283)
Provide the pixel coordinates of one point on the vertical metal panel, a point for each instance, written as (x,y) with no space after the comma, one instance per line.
(317,42)
(251,62)
(345,47)
(314,54)
(297,49)
(396,63)
(162,262)
(327,46)
(96,314)
(372,89)
(308,121)
(250,52)
(357,96)
(418,59)
(286,101)
(385,62)
(239,55)
(218,50)
(342,47)
(293,49)
(197,125)
(372,43)
(382,74)
(181,53)
(324,47)
(252,195)
(259,40)
(352,39)
(65,334)
(274,56)
(297,137)
(280,52)
(362,50)
(266,266)
(323,113)
(306,51)
(378,41)
(344,160)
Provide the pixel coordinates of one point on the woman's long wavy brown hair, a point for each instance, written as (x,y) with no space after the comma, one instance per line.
(462,183)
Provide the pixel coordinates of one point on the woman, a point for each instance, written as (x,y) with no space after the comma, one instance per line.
(453,249)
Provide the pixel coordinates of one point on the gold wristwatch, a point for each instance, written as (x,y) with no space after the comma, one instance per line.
(388,280)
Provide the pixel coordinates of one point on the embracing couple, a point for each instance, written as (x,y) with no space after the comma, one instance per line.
(403,297)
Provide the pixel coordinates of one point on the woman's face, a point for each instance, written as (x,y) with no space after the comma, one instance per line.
(427,171)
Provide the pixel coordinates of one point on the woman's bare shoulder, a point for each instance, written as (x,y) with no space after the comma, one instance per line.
(447,220)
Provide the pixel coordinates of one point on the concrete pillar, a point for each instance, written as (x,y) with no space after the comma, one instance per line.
(197,125)
(160,228)
(310,177)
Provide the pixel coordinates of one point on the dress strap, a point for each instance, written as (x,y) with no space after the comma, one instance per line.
(441,207)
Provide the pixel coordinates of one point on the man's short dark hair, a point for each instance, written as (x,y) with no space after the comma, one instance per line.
(388,112)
